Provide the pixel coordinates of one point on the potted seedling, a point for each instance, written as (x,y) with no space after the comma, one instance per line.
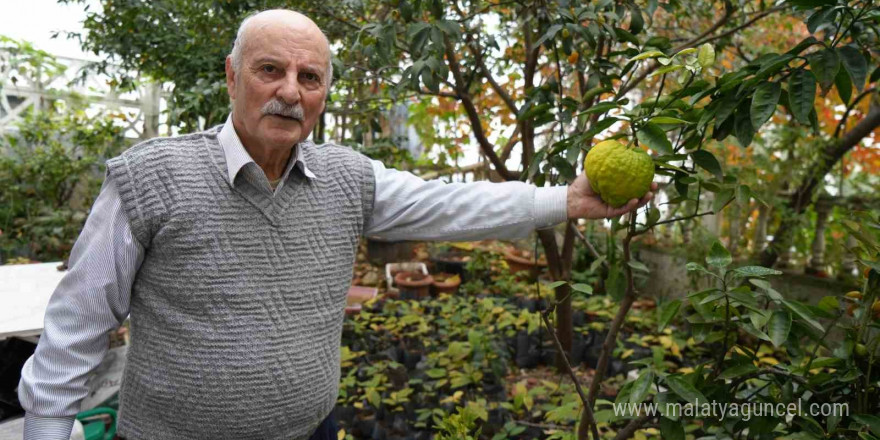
(520,260)
(413,285)
(445,283)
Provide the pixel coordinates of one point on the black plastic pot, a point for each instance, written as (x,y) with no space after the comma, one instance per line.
(399,425)
(498,417)
(444,263)
(411,358)
(345,414)
(362,427)
(531,433)
(379,432)
(527,352)
(548,356)
(577,350)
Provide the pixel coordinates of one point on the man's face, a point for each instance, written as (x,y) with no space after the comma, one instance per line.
(284,61)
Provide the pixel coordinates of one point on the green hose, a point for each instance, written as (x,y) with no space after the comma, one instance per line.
(101,410)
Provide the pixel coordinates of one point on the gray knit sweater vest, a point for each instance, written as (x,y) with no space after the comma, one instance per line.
(237,309)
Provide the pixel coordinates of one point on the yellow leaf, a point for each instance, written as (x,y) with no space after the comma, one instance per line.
(685,370)
(769,360)
(341,434)
(627,353)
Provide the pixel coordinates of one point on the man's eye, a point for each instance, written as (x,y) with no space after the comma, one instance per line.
(310,76)
(268,68)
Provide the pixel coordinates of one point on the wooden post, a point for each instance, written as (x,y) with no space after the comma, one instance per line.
(150,109)
(848,262)
(817,260)
(760,239)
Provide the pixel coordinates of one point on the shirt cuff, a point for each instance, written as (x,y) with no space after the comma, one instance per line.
(551,206)
(47,428)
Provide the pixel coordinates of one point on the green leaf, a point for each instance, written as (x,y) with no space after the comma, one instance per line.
(556,284)
(641,386)
(708,162)
(802,94)
(778,327)
(706,56)
(655,138)
(639,266)
(722,198)
(623,35)
(738,370)
(872,421)
(821,17)
(824,64)
(764,103)
(756,271)
(600,107)
(719,256)
(854,63)
(563,167)
(685,390)
(697,267)
(551,32)
(666,69)
(636,22)
(801,311)
(436,373)
(844,85)
(671,429)
(765,286)
(648,54)
(772,66)
(668,120)
(742,127)
(805,43)
(667,312)
(599,127)
(583,288)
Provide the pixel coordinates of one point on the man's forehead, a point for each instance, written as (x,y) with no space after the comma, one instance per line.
(282,38)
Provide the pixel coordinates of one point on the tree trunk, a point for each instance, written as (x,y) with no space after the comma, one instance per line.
(803,196)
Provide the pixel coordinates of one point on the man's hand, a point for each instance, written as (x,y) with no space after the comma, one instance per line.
(583,202)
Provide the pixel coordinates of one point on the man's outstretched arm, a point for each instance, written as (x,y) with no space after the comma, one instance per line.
(409,208)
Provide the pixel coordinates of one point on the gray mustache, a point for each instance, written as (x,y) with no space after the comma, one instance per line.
(278,107)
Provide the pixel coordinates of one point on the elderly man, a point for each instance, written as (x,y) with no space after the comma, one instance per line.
(232,251)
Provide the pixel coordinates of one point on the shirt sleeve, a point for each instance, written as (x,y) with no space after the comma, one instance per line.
(91,300)
(407,207)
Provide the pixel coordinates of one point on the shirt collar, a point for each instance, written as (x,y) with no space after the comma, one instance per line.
(237,157)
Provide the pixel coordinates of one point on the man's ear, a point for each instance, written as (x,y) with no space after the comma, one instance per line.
(230,78)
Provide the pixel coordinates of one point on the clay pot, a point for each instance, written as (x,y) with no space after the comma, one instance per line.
(524,261)
(446,283)
(413,285)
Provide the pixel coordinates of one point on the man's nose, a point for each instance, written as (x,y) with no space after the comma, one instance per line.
(289,91)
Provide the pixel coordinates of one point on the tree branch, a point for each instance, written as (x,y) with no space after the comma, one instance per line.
(588,409)
(631,427)
(849,108)
(626,303)
(485,146)
(478,55)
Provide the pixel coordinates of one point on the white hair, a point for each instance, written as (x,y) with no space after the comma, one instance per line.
(239,43)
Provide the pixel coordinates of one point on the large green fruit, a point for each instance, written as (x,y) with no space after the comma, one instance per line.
(617,173)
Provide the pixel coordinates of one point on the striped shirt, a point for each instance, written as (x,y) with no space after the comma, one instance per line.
(93,297)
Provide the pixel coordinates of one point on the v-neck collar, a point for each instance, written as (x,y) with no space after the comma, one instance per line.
(273,207)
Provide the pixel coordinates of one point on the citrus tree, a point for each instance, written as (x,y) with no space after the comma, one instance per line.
(550,78)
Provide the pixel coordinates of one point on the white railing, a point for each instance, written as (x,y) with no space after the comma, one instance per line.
(140,110)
